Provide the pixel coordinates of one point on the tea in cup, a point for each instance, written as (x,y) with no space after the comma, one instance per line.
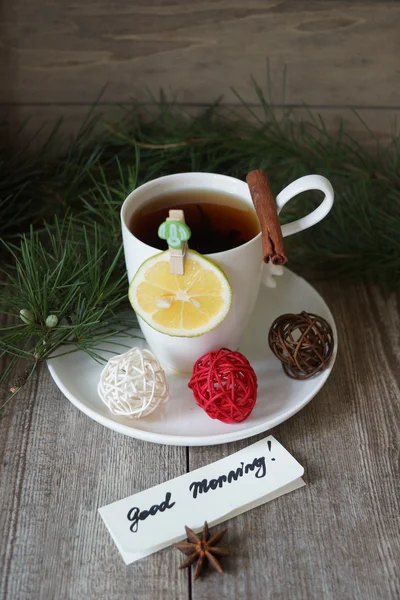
(225,229)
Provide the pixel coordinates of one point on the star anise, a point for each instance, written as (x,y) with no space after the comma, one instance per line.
(198,549)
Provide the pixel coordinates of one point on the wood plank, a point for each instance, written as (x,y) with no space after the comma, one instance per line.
(57,468)
(43,118)
(338,536)
(338,53)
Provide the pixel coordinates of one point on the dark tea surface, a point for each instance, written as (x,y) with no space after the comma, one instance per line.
(218,221)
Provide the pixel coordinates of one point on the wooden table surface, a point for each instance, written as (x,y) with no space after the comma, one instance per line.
(338,538)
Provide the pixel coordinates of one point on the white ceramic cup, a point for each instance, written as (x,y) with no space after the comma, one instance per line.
(242,265)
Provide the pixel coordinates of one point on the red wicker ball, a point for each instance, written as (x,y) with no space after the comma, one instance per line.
(224,384)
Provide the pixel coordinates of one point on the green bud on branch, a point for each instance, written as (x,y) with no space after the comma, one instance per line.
(26,316)
(51,321)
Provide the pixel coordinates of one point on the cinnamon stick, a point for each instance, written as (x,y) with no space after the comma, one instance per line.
(264,203)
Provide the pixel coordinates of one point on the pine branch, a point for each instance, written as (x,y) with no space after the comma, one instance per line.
(74,271)
(66,288)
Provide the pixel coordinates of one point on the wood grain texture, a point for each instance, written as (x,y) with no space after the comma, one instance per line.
(337,53)
(58,468)
(43,118)
(336,538)
(339,536)
(57,55)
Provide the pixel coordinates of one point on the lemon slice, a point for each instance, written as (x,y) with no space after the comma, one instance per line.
(181,305)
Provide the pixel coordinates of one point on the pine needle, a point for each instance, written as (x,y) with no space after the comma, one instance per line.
(74,268)
(67,272)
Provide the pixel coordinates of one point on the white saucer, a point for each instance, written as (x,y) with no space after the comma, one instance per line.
(181,422)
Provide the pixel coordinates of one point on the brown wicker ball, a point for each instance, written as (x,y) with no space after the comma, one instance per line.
(303,343)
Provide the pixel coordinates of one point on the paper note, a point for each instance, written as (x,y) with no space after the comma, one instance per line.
(155,518)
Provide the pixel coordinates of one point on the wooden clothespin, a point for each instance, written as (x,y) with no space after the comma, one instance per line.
(176,232)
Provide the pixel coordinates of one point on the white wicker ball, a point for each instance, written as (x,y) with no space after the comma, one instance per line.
(133,384)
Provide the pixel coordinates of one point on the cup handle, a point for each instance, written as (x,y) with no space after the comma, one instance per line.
(308,182)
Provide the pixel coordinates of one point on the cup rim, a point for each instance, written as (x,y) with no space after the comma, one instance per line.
(175,176)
